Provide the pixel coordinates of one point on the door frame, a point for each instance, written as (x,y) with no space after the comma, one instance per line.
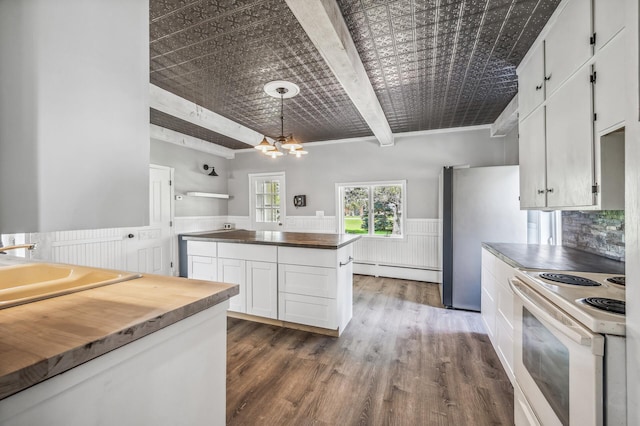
(283,196)
(173,247)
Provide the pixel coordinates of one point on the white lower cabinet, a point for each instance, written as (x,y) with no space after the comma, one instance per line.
(497,308)
(308,286)
(316,286)
(262,289)
(233,271)
(308,310)
(202,262)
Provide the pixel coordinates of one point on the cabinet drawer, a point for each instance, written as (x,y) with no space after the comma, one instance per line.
(308,310)
(308,280)
(202,268)
(201,248)
(256,252)
(306,256)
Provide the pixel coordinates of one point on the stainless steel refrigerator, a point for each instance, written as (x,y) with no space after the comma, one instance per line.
(477,204)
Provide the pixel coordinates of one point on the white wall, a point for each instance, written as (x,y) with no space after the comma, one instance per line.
(632,215)
(416,158)
(74,114)
(189,176)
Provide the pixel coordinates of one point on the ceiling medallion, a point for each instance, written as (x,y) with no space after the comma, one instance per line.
(282,90)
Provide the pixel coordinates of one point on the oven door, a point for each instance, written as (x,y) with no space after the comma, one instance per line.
(558,361)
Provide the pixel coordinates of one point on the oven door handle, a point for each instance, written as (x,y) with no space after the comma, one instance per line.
(560,321)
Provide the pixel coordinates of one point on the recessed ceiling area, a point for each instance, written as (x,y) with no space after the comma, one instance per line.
(432,63)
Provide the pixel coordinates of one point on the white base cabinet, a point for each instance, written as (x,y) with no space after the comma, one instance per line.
(202,262)
(312,287)
(316,286)
(262,289)
(497,308)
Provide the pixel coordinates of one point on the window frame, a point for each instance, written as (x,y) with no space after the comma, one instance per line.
(371,185)
(267,226)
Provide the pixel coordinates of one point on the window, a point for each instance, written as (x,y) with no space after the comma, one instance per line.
(375,209)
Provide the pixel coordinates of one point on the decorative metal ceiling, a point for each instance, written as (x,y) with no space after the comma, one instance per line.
(433,63)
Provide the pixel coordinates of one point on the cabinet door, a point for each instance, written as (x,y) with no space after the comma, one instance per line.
(609,89)
(531,82)
(202,268)
(232,271)
(608,20)
(532,160)
(567,45)
(262,289)
(570,143)
(308,310)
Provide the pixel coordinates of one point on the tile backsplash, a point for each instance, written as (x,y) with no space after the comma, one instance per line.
(598,232)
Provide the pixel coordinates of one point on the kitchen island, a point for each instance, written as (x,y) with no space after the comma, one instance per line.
(291,279)
(151,350)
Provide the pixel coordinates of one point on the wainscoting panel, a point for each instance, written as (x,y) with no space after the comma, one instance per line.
(102,248)
(420,250)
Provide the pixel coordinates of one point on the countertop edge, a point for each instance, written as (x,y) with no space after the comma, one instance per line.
(190,237)
(22,378)
(501,256)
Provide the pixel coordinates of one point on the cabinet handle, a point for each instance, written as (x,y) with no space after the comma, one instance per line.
(541,191)
(539,87)
(547,77)
(550,190)
(130,236)
(348,262)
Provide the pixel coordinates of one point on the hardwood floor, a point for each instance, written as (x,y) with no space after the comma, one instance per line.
(403,360)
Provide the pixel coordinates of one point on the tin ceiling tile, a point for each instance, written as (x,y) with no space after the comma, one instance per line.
(431,63)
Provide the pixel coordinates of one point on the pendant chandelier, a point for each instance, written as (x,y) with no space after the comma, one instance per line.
(281,89)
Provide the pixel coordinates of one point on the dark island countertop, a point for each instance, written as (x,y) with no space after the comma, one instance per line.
(559,258)
(278,238)
(42,339)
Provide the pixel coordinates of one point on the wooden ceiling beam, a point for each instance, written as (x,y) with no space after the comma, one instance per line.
(325,26)
(174,105)
(186,141)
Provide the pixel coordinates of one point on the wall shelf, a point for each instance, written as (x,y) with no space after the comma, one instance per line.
(207,194)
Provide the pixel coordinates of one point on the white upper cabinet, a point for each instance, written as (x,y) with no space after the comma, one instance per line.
(74,115)
(610,84)
(581,52)
(567,45)
(533,166)
(531,87)
(570,144)
(608,20)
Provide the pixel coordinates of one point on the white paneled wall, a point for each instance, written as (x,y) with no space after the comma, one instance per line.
(419,249)
(414,257)
(103,248)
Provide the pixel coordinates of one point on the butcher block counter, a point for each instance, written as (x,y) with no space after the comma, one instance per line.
(42,339)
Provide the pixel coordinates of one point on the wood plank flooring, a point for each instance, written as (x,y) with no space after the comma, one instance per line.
(403,360)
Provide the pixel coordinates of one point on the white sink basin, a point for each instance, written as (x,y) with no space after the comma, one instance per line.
(29,282)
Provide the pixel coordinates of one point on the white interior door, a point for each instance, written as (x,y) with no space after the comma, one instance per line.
(149,247)
(267,201)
